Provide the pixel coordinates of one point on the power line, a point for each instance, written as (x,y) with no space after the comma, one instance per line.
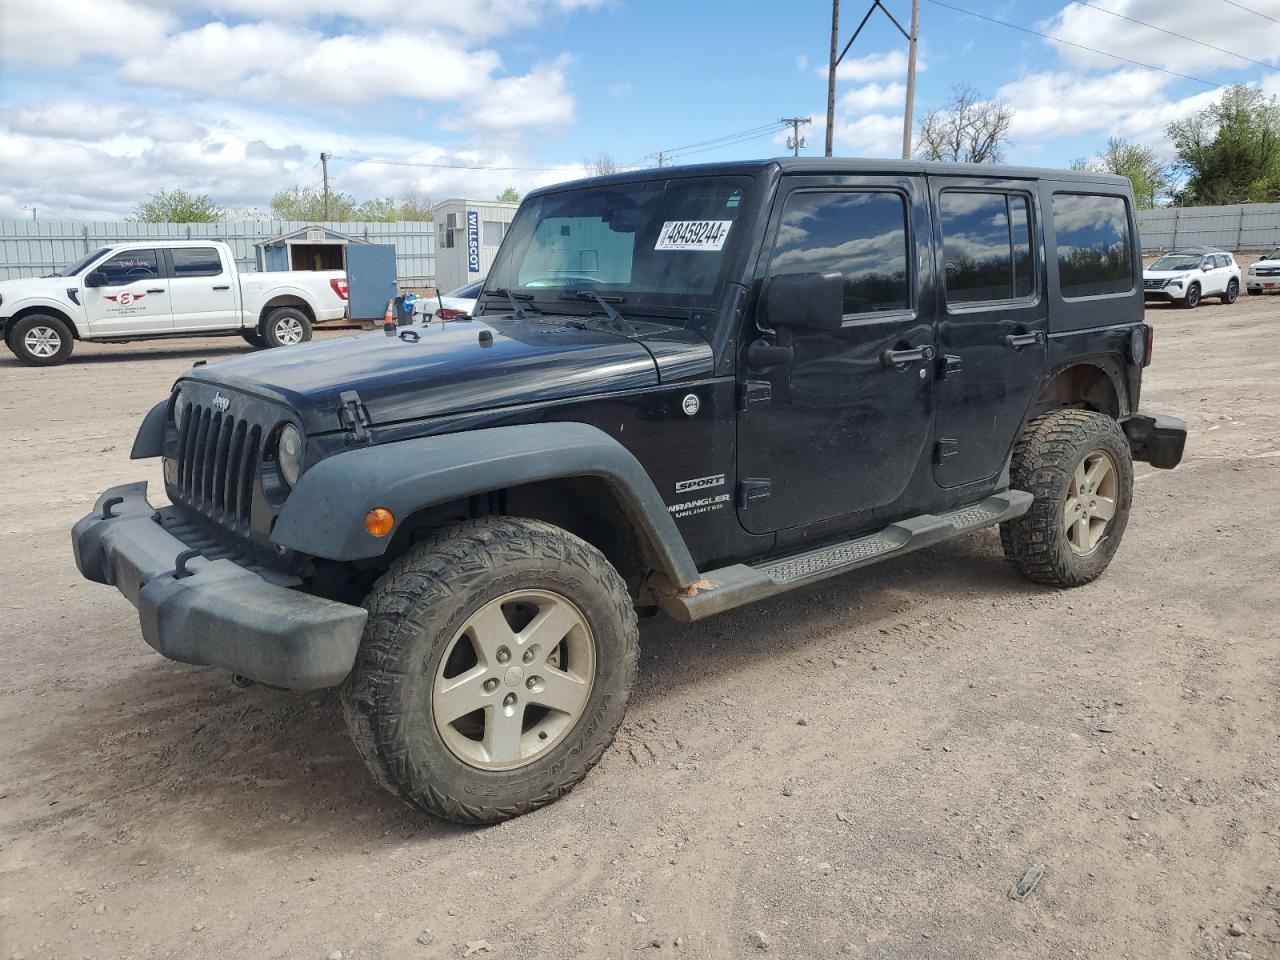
(1256,13)
(441,166)
(1143,23)
(1071,43)
(732,143)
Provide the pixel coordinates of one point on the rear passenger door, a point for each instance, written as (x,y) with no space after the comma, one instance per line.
(992,325)
(202,289)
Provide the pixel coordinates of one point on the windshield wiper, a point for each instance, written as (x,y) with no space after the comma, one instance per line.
(513,298)
(616,320)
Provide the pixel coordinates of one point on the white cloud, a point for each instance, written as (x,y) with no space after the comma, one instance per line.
(538,99)
(475,18)
(1220,24)
(873,96)
(60,33)
(875,66)
(871,135)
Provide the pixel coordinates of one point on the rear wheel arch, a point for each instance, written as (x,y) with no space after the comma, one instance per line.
(285,300)
(1081,386)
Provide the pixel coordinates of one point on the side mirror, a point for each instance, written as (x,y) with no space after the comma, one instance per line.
(804,301)
(95,278)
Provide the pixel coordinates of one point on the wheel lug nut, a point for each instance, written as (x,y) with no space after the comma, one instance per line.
(509,700)
(531,683)
(490,685)
(503,654)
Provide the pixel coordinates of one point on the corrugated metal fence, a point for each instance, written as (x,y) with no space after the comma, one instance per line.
(1242,226)
(33,248)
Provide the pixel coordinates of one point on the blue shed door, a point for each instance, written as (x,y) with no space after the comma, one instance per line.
(371,277)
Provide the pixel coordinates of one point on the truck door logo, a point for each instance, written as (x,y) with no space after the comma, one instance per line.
(124,297)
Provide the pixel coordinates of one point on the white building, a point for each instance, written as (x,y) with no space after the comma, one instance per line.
(468,233)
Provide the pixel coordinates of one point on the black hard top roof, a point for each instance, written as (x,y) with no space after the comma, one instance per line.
(817,166)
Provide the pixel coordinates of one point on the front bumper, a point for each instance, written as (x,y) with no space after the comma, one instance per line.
(1156,438)
(214,613)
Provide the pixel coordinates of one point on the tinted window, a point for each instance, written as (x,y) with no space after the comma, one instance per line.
(196,262)
(1224,260)
(1095,255)
(75,268)
(986,242)
(130,267)
(860,235)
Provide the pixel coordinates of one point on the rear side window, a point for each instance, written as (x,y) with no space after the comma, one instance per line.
(1095,251)
(131,266)
(986,240)
(859,234)
(196,262)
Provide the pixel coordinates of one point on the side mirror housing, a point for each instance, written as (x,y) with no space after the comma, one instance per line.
(804,301)
(95,278)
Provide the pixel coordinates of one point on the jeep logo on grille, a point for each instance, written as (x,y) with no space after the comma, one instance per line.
(220,402)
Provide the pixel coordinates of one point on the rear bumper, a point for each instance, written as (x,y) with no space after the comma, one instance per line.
(1156,438)
(219,614)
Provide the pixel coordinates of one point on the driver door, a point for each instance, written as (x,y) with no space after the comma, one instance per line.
(135,298)
(843,428)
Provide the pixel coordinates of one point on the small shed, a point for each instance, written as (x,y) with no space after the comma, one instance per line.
(468,233)
(313,247)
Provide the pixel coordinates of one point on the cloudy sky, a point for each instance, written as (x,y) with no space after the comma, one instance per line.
(104,101)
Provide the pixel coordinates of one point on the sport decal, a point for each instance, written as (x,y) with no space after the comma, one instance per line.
(693,235)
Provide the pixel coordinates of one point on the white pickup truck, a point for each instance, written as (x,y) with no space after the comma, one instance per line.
(163,288)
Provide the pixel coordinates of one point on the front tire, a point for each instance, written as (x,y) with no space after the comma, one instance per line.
(494,671)
(1232,291)
(40,340)
(1078,466)
(253,338)
(1192,299)
(286,326)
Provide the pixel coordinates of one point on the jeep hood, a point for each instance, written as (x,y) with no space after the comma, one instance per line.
(431,370)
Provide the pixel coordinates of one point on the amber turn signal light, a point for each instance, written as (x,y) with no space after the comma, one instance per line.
(379,521)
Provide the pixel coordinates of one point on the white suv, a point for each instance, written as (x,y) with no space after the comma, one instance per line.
(1186,277)
(1264,276)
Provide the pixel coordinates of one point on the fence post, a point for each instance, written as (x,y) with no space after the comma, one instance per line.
(1240,230)
(1177,215)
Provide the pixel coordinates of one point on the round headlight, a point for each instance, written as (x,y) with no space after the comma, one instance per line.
(179,409)
(289,454)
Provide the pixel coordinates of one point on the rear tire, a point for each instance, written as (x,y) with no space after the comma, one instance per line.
(1078,466)
(494,671)
(1192,299)
(1232,291)
(286,326)
(41,340)
(253,338)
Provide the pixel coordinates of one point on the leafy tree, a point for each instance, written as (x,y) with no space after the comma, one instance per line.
(178,206)
(968,129)
(509,195)
(387,210)
(1230,150)
(1139,163)
(307,203)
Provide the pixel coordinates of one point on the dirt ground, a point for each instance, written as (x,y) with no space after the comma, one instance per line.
(861,768)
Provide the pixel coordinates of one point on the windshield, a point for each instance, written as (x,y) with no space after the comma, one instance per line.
(659,242)
(468,291)
(75,268)
(1273,255)
(1176,261)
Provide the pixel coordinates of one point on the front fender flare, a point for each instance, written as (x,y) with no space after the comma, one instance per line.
(324,515)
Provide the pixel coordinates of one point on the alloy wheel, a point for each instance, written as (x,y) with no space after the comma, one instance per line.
(288,331)
(1091,502)
(42,341)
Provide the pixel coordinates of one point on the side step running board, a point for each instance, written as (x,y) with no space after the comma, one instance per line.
(733,586)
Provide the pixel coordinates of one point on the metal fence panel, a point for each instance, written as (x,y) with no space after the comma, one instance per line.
(1242,226)
(33,248)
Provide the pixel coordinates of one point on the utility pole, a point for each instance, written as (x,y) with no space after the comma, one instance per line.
(660,156)
(795,141)
(831,73)
(324,165)
(911,79)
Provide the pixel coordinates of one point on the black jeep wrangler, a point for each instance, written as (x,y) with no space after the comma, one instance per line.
(684,389)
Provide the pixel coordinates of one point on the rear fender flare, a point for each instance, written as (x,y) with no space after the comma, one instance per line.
(324,514)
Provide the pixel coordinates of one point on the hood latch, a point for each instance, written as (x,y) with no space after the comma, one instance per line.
(354,417)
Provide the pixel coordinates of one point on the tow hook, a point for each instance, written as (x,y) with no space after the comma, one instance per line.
(241,681)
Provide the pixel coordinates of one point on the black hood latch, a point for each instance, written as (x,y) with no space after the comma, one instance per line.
(353,417)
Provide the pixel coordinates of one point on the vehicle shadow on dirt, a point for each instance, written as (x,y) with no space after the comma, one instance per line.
(259,768)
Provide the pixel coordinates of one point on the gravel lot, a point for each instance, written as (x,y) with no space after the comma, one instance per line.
(862,768)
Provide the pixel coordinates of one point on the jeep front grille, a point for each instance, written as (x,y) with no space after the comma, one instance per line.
(218,458)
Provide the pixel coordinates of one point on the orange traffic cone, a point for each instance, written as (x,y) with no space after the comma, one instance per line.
(389,318)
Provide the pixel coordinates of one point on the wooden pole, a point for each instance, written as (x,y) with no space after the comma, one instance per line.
(911,79)
(831,73)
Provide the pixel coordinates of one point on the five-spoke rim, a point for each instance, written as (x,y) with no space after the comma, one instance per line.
(288,330)
(1091,502)
(514,679)
(42,341)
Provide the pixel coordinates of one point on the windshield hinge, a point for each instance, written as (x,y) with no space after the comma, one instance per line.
(353,417)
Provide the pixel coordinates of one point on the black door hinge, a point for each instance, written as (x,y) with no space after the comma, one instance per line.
(353,417)
(951,365)
(753,391)
(752,490)
(945,449)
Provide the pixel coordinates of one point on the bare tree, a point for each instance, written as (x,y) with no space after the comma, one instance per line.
(601,165)
(969,129)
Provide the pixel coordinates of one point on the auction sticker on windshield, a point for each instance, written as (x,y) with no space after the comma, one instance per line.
(693,235)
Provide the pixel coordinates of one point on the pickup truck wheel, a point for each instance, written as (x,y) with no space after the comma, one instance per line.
(494,671)
(1078,466)
(40,340)
(253,338)
(286,326)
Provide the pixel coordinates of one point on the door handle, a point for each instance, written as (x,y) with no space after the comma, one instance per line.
(155,290)
(222,286)
(1016,342)
(900,358)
